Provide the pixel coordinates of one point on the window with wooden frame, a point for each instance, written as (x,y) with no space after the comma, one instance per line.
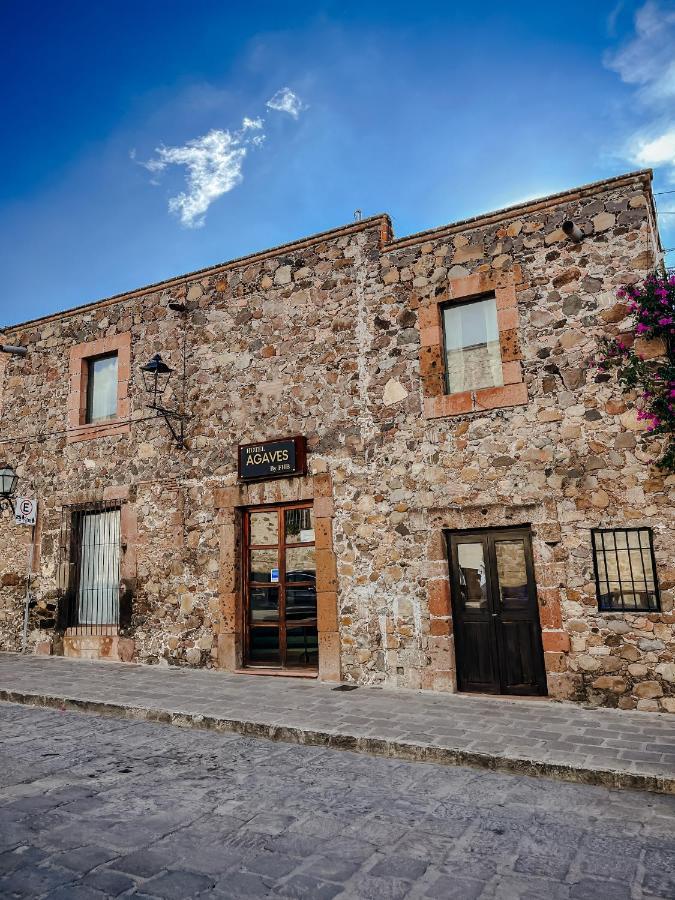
(280,610)
(625,570)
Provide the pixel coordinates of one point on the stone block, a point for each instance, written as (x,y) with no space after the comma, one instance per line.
(498,397)
(448,405)
(509,344)
(557,641)
(322,485)
(327,611)
(564,686)
(326,571)
(226,497)
(438,593)
(323,533)
(647,690)
(324,507)
(229,656)
(329,656)
(613,683)
(555,661)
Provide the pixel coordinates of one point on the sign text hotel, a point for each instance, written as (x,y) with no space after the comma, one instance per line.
(272,459)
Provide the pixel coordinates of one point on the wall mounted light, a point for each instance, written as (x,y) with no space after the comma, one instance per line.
(8,482)
(156,374)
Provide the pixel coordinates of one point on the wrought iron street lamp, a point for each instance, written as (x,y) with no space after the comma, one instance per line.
(8,482)
(156,374)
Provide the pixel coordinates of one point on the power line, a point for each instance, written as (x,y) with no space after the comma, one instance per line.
(42,437)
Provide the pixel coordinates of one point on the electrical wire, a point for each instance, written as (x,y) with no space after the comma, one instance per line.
(41,437)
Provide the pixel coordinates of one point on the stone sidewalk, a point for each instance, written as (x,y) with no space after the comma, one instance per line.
(533,737)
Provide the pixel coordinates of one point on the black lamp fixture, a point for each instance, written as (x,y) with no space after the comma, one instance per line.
(8,482)
(156,375)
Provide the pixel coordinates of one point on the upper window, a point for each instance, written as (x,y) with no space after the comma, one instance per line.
(625,570)
(472,353)
(101,388)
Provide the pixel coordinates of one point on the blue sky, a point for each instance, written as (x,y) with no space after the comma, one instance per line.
(139,140)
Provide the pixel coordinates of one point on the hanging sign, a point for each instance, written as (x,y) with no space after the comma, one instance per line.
(25,511)
(272,459)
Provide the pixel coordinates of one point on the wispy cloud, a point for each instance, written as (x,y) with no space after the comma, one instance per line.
(214,161)
(647,61)
(285,100)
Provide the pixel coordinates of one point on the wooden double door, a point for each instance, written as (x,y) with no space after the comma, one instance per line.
(280,587)
(498,643)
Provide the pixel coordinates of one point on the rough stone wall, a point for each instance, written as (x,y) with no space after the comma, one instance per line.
(272,348)
(322,339)
(569,460)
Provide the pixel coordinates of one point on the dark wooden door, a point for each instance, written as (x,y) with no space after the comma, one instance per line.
(495,612)
(280,587)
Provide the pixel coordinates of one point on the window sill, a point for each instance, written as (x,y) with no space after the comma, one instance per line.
(98,430)
(629,612)
(446,405)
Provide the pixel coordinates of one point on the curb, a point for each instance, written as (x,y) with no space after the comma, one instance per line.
(404,750)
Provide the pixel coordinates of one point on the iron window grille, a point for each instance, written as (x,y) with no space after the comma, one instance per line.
(91,599)
(625,570)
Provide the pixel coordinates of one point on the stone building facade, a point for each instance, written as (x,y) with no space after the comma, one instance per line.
(449,533)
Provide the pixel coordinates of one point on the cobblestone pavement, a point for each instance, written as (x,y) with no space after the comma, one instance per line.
(93,807)
(630,748)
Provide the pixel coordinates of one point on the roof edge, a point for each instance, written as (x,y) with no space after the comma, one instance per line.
(384,221)
(380,218)
(508,212)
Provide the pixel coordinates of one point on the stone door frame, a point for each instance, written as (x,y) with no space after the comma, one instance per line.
(548,571)
(230,502)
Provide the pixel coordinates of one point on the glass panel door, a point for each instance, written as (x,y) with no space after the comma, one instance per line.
(495,612)
(281,619)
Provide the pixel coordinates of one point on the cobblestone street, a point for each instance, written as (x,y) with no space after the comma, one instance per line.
(94,807)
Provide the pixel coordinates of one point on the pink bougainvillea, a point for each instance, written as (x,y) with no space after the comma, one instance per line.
(652,305)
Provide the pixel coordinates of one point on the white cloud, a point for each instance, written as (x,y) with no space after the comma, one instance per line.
(286,101)
(214,167)
(656,152)
(647,61)
(214,161)
(213,164)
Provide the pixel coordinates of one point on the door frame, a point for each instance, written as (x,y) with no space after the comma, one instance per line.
(246,586)
(487,536)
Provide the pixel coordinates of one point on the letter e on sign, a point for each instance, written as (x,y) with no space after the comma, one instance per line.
(25,511)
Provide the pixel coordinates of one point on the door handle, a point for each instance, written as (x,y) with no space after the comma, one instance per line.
(494,615)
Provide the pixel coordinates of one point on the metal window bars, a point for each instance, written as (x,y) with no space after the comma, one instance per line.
(625,570)
(89,568)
